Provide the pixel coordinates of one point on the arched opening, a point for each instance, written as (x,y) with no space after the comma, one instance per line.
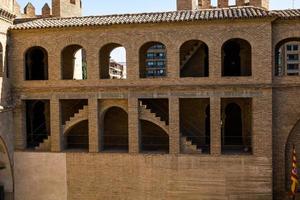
(293,140)
(195,125)
(115,133)
(36,64)
(236,58)
(194,59)
(113,62)
(1,60)
(153,138)
(77,138)
(287,57)
(74,64)
(6,176)
(37,122)
(236,125)
(153,60)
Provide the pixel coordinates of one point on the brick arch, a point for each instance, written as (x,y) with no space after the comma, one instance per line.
(8,175)
(245,54)
(28,55)
(104,57)
(293,139)
(67,56)
(142,56)
(277,47)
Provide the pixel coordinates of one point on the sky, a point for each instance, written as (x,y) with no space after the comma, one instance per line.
(106,7)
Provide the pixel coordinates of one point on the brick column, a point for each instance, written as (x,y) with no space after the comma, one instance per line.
(93,125)
(132,57)
(93,68)
(56,128)
(173,62)
(20,125)
(54,65)
(174,126)
(215,125)
(133,125)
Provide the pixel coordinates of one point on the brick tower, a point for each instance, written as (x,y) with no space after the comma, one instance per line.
(66,8)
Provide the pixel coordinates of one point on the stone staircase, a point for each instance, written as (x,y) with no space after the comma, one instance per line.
(45,145)
(187,146)
(189,55)
(81,114)
(147,114)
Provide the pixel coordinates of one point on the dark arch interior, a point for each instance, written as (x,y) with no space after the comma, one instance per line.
(37,122)
(115,135)
(78,136)
(194,60)
(68,62)
(104,59)
(36,64)
(153,60)
(153,138)
(233,131)
(236,58)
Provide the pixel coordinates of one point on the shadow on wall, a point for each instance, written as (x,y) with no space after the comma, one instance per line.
(6,174)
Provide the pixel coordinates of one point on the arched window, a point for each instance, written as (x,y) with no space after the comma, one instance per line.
(194,59)
(115,134)
(236,58)
(1,60)
(36,64)
(113,62)
(153,60)
(287,57)
(74,65)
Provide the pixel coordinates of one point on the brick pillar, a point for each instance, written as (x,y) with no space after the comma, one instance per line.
(93,68)
(93,125)
(222,3)
(215,123)
(260,3)
(204,4)
(240,2)
(262,125)
(173,64)
(215,60)
(174,126)
(56,128)
(132,58)
(20,125)
(133,125)
(54,64)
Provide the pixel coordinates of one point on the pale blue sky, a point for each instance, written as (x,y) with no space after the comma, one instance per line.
(103,7)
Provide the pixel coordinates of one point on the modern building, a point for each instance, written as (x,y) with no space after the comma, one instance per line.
(219,122)
(117,70)
(289,59)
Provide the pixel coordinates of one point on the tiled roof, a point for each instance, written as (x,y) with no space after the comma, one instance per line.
(6,15)
(287,14)
(246,12)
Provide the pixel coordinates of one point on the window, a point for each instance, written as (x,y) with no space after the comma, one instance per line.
(73,2)
(293,66)
(292,57)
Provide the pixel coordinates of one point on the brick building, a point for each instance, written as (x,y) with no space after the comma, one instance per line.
(219,123)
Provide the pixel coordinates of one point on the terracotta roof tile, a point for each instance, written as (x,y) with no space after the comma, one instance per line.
(245,12)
